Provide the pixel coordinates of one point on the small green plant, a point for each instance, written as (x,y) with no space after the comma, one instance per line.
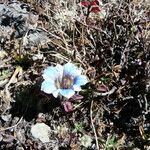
(104,79)
(86,140)
(113,142)
(79,127)
(22,61)
(5,74)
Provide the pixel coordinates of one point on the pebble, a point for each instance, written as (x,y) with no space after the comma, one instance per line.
(41,131)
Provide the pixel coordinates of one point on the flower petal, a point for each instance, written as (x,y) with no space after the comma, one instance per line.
(68,106)
(51,73)
(67,92)
(76,87)
(55,93)
(48,87)
(59,69)
(71,69)
(80,80)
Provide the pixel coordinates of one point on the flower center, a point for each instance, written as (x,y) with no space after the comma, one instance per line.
(66,82)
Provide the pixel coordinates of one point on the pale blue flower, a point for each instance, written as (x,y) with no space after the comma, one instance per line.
(63,80)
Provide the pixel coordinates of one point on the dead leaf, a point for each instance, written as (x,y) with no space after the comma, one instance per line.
(102,88)
(117,70)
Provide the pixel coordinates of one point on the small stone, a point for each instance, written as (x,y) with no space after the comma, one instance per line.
(41,131)
(19,148)
(3,54)
(6,117)
(37,57)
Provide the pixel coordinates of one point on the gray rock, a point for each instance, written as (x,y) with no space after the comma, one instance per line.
(41,131)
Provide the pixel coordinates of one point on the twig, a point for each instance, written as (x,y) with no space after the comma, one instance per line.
(17,71)
(93,27)
(64,40)
(12,126)
(146,103)
(94,130)
(106,93)
(59,45)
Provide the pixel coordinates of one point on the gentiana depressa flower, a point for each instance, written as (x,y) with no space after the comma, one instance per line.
(63,80)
